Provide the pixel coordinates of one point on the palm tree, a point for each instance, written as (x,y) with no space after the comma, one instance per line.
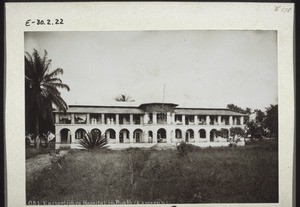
(124,98)
(41,90)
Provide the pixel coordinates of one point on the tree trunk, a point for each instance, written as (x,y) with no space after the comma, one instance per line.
(37,129)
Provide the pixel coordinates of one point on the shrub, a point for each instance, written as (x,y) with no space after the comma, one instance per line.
(92,140)
(184,148)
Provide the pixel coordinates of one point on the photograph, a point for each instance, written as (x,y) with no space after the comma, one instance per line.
(151,117)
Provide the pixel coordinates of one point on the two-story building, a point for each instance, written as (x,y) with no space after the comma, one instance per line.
(147,123)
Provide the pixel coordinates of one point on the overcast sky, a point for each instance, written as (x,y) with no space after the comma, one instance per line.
(198,68)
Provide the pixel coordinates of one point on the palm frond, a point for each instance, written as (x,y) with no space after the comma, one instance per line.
(93,140)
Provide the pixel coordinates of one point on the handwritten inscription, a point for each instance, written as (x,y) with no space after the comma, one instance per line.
(43,22)
(282,9)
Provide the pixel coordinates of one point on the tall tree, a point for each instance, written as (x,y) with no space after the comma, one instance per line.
(271,120)
(235,108)
(124,98)
(41,91)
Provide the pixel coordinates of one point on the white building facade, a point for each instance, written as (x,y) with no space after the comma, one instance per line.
(151,123)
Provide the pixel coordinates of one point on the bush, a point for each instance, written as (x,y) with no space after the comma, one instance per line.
(92,140)
(184,148)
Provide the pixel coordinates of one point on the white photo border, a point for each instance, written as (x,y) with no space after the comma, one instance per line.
(136,16)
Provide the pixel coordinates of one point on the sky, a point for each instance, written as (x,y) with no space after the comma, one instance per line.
(199,69)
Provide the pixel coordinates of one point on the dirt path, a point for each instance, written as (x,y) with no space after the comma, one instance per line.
(36,164)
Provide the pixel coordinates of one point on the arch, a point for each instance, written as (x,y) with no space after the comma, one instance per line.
(178,134)
(80,133)
(202,133)
(189,135)
(96,131)
(110,134)
(65,135)
(138,135)
(124,134)
(161,135)
(212,135)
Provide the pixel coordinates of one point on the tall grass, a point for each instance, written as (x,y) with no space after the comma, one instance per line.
(242,174)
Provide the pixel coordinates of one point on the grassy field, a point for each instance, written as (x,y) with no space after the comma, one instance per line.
(212,175)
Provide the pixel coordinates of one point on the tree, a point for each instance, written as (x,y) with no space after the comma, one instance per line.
(93,140)
(235,108)
(124,98)
(237,132)
(41,91)
(271,120)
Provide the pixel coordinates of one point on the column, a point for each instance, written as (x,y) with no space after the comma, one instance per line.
(154,118)
(141,119)
(230,120)
(102,119)
(219,120)
(69,137)
(173,118)
(154,137)
(242,120)
(168,134)
(131,135)
(87,118)
(183,119)
(131,119)
(207,136)
(168,118)
(183,135)
(57,118)
(117,136)
(196,119)
(146,118)
(72,119)
(117,119)
(57,136)
(207,120)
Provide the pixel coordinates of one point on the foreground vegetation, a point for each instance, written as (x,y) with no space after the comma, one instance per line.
(241,174)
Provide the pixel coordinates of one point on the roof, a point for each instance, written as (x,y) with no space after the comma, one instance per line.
(206,111)
(103,109)
(137,110)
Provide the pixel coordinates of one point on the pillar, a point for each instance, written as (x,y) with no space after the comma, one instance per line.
(117,119)
(154,137)
(72,119)
(207,135)
(196,119)
(207,120)
(183,134)
(131,119)
(173,118)
(183,119)
(57,136)
(141,119)
(169,118)
(168,134)
(154,118)
(242,120)
(87,118)
(230,120)
(102,119)
(219,120)
(145,118)
(117,136)
(131,135)
(57,118)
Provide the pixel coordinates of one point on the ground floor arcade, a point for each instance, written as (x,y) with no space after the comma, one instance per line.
(159,134)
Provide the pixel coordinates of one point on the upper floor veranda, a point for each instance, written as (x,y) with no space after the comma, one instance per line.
(148,114)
